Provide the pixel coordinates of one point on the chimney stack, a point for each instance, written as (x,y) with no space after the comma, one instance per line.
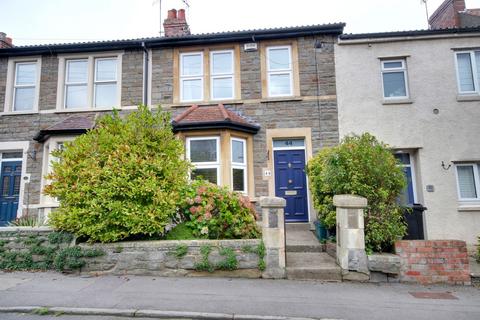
(447,15)
(5,42)
(176,24)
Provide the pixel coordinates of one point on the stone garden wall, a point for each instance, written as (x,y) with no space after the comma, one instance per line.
(233,258)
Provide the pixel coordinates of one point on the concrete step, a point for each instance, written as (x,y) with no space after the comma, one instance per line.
(305,248)
(299,240)
(312,266)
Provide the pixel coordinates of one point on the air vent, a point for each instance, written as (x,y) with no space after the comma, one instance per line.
(252,46)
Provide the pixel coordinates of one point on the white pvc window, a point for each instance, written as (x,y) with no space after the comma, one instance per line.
(394,79)
(191,76)
(468,181)
(105,82)
(24,89)
(279,71)
(221,75)
(204,154)
(76,84)
(239,164)
(468,72)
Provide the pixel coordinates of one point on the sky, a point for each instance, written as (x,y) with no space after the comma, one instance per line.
(59,21)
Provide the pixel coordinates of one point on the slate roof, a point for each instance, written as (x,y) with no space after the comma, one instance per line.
(193,39)
(209,117)
(76,124)
(408,33)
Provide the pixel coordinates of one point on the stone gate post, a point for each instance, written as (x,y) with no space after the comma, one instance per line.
(273,234)
(351,255)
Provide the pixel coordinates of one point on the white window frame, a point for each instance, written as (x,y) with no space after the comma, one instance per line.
(199,76)
(475,177)
(288,71)
(209,164)
(230,75)
(403,69)
(73,84)
(96,82)
(11,84)
(91,57)
(50,145)
(473,63)
(239,165)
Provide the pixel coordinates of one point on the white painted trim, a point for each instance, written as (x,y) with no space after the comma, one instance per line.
(230,75)
(199,76)
(91,57)
(475,76)
(24,146)
(206,165)
(476,179)
(395,70)
(45,200)
(239,165)
(150,75)
(288,71)
(10,84)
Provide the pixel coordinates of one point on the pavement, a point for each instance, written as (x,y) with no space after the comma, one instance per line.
(232,298)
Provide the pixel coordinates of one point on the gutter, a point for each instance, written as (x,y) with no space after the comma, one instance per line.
(178,127)
(145,74)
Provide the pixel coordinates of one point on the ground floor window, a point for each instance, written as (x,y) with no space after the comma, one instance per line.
(204,153)
(468,181)
(221,159)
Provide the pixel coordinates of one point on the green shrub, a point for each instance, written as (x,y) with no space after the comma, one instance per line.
(122,178)
(180,232)
(362,166)
(26,221)
(213,212)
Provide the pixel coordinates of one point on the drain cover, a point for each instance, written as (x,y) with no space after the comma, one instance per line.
(433,295)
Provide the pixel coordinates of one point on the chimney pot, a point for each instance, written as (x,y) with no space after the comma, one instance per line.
(172,14)
(176,25)
(181,14)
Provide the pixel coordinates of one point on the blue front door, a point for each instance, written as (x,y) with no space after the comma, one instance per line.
(291,183)
(9,191)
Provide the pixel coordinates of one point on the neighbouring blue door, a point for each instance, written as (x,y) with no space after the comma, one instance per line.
(291,183)
(11,174)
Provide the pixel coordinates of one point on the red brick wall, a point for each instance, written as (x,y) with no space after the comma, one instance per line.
(446,16)
(433,261)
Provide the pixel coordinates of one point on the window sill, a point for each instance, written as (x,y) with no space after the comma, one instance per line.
(281,99)
(466,98)
(11,113)
(397,101)
(79,110)
(205,103)
(469,207)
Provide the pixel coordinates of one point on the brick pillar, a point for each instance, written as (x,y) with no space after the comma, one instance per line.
(351,255)
(176,24)
(273,234)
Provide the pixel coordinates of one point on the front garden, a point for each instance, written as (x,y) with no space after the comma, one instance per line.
(127,180)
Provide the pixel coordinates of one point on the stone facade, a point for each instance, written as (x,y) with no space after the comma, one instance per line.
(314,109)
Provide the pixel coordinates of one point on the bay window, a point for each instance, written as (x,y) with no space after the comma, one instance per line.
(204,153)
(239,164)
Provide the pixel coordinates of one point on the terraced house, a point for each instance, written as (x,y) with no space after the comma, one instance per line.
(251,106)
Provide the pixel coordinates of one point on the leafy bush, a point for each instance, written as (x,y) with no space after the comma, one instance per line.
(122,178)
(362,166)
(213,212)
(180,232)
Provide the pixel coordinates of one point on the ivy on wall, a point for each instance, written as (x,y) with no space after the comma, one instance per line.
(41,252)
